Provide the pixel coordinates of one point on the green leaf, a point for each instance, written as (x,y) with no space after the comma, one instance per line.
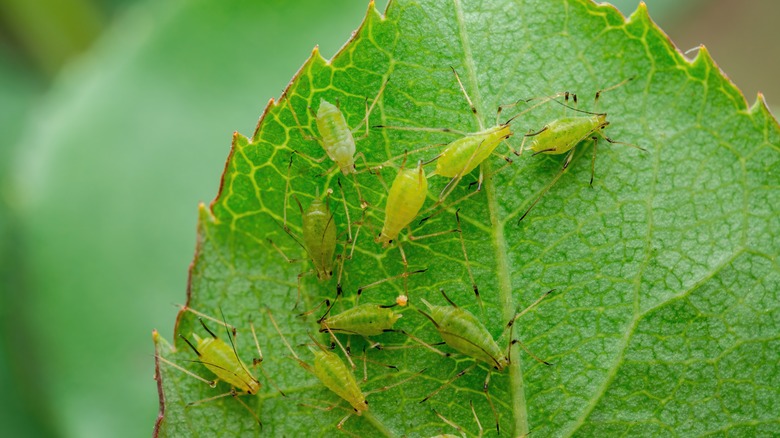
(665,315)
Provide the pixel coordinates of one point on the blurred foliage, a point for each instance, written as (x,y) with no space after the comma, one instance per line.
(106,227)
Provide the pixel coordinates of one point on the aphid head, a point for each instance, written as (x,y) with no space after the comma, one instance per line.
(384,240)
(360,406)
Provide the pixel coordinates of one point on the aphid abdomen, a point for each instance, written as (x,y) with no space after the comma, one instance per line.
(336,136)
(365,320)
(335,375)
(563,134)
(406,197)
(465,154)
(221,359)
(462,331)
(319,237)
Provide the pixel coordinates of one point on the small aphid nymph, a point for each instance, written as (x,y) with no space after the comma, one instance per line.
(365,320)
(404,200)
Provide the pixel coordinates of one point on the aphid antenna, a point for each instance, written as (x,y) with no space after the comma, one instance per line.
(341,346)
(543,100)
(211,383)
(523,346)
(204,316)
(346,210)
(421,129)
(421,342)
(460,374)
(463,89)
(370,109)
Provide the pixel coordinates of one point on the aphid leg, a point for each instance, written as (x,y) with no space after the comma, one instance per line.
(537,358)
(510,327)
(450,422)
(343,420)
(387,387)
(258,361)
(300,128)
(486,390)
(593,160)
(300,276)
(303,364)
(550,184)
(457,426)
(233,394)
(211,383)
(369,110)
(378,282)
(476,419)
(466,259)
(449,382)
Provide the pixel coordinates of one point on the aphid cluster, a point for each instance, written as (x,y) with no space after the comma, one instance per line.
(320,234)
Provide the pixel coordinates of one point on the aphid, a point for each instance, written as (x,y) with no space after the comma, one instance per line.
(465,333)
(318,230)
(337,139)
(222,360)
(463,155)
(404,200)
(329,369)
(366,320)
(563,135)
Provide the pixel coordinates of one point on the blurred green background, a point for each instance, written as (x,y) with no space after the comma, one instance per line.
(116,118)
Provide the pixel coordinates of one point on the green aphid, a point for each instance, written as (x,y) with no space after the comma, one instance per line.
(365,320)
(465,333)
(329,369)
(563,135)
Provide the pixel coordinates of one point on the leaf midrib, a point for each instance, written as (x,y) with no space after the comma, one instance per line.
(516,383)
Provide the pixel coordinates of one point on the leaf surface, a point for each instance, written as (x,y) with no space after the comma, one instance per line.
(665,314)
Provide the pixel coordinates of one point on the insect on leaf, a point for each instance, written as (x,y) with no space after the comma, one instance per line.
(666,315)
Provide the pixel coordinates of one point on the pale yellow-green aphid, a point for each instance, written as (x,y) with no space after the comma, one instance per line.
(337,139)
(404,200)
(222,360)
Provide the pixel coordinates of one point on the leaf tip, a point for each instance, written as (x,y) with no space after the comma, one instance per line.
(761,106)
